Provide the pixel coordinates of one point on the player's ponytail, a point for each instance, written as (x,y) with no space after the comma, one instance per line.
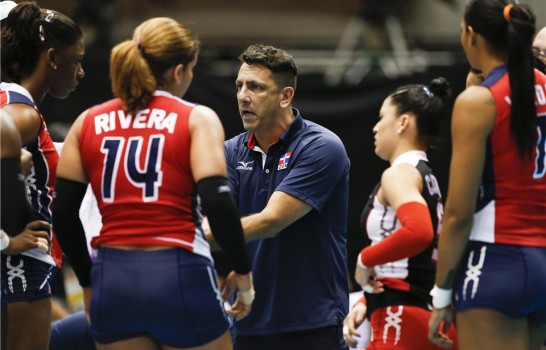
(132,79)
(426,104)
(138,66)
(520,32)
(27,31)
(508,29)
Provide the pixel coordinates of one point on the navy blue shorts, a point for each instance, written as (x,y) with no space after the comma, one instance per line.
(170,295)
(509,279)
(24,279)
(71,332)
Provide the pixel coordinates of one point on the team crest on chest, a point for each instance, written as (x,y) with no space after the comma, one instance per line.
(284,160)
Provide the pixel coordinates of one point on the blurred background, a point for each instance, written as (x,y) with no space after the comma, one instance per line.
(351,54)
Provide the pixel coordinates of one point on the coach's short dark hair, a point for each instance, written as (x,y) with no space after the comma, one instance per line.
(282,64)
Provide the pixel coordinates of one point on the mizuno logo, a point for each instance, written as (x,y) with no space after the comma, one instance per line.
(244,165)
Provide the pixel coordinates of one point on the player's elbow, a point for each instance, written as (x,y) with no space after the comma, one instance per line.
(458,220)
(459,212)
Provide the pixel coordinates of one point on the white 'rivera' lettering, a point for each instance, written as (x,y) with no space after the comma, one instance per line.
(156,119)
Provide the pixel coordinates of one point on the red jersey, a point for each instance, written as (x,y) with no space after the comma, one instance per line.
(139,169)
(511,207)
(42,178)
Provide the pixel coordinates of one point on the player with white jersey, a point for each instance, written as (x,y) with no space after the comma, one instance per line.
(402,220)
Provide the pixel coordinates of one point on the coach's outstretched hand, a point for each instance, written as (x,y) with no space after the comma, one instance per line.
(242,284)
(351,323)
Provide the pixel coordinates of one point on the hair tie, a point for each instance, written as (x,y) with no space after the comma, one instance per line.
(506,12)
(140,46)
(428,92)
(49,16)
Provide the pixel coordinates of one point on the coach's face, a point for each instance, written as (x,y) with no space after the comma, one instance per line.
(259,98)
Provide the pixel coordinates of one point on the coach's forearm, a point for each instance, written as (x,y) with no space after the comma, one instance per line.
(261,226)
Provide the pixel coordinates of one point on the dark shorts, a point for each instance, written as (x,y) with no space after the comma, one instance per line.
(325,338)
(509,279)
(24,279)
(170,295)
(71,332)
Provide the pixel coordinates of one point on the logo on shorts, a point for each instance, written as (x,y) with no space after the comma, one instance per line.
(15,272)
(393,320)
(284,160)
(473,272)
(244,166)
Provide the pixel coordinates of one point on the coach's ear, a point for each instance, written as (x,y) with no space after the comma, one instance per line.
(287,94)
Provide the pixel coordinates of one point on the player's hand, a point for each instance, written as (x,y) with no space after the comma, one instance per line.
(438,326)
(351,323)
(35,235)
(242,284)
(363,274)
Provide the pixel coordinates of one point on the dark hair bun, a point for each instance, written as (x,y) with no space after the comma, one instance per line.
(440,87)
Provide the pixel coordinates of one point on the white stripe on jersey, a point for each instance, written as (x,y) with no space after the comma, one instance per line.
(483,229)
(199,245)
